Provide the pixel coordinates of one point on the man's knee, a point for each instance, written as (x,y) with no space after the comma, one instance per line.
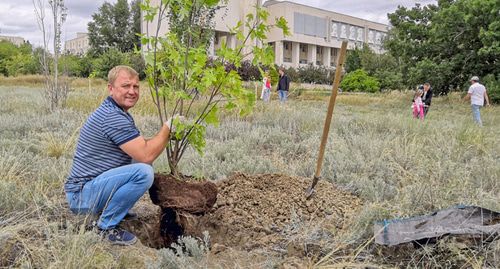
(145,174)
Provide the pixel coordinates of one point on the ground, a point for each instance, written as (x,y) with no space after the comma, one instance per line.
(396,166)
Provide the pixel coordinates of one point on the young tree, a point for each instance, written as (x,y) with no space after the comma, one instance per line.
(180,73)
(56,91)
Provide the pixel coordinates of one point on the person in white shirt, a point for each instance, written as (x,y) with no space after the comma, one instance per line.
(477,95)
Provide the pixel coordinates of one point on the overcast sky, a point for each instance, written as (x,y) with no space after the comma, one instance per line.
(17,17)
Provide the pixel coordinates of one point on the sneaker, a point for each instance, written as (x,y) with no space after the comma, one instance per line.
(118,236)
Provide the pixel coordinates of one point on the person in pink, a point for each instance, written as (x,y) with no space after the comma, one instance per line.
(418,105)
(266,89)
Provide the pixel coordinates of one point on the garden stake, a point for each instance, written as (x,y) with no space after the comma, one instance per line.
(328,120)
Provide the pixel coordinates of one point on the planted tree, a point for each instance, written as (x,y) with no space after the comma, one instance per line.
(184,80)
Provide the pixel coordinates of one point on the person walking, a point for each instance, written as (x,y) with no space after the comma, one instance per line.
(283,85)
(266,89)
(103,179)
(418,105)
(427,97)
(477,95)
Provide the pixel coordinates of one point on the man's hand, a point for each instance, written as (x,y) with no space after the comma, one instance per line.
(170,122)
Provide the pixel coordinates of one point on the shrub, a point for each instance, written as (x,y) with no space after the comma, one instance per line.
(492,84)
(249,72)
(315,74)
(108,60)
(359,81)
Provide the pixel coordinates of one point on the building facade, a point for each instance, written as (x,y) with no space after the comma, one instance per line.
(77,46)
(316,34)
(225,18)
(16,40)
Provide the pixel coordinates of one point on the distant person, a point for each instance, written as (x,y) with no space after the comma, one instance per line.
(283,85)
(103,179)
(477,95)
(266,88)
(418,105)
(427,97)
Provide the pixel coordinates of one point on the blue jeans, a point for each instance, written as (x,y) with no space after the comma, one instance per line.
(476,114)
(113,193)
(283,95)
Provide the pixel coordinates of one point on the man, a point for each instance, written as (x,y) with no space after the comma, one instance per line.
(283,85)
(477,95)
(427,97)
(103,178)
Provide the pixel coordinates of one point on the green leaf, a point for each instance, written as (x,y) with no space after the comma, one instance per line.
(212,118)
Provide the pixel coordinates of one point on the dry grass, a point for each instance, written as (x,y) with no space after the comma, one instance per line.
(400,167)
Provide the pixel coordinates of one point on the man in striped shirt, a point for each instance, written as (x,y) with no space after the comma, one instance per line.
(103,179)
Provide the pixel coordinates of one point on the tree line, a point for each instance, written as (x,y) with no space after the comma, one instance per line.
(444,44)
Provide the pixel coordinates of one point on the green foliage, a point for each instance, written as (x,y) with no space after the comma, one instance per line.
(108,60)
(16,60)
(493,87)
(383,67)
(353,60)
(315,74)
(359,81)
(115,26)
(179,70)
(446,43)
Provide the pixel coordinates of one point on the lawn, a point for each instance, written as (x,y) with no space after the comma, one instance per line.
(397,165)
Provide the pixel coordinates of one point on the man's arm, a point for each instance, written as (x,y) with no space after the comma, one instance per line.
(147,150)
(287,83)
(428,98)
(467,97)
(486,98)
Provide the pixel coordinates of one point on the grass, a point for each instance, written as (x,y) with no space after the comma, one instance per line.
(400,166)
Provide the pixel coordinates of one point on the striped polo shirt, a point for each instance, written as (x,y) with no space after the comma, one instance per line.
(98,149)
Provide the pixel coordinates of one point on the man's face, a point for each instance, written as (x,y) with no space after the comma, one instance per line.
(125,90)
(281,72)
(426,87)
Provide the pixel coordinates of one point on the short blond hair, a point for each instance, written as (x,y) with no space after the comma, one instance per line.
(113,73)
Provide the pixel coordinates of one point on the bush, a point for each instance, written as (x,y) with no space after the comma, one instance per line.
(359,81)
(108,60)
(492,84)
(249,72)
(315,74)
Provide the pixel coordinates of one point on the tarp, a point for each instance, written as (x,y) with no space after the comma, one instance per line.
(458,220)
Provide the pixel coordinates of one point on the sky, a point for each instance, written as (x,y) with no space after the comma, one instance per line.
(17,17)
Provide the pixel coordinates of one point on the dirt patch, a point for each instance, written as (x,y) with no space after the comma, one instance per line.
(250,214)
(256,211)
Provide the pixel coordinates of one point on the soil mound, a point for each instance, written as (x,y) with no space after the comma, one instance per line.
(258,210)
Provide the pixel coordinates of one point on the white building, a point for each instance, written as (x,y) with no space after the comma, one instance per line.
(16,40)
(316,34)
(77,46)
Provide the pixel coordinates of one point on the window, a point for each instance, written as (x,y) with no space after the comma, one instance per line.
(303,47)
(287,45)
(309,25)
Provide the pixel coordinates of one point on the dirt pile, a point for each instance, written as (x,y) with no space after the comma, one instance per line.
(254,211)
